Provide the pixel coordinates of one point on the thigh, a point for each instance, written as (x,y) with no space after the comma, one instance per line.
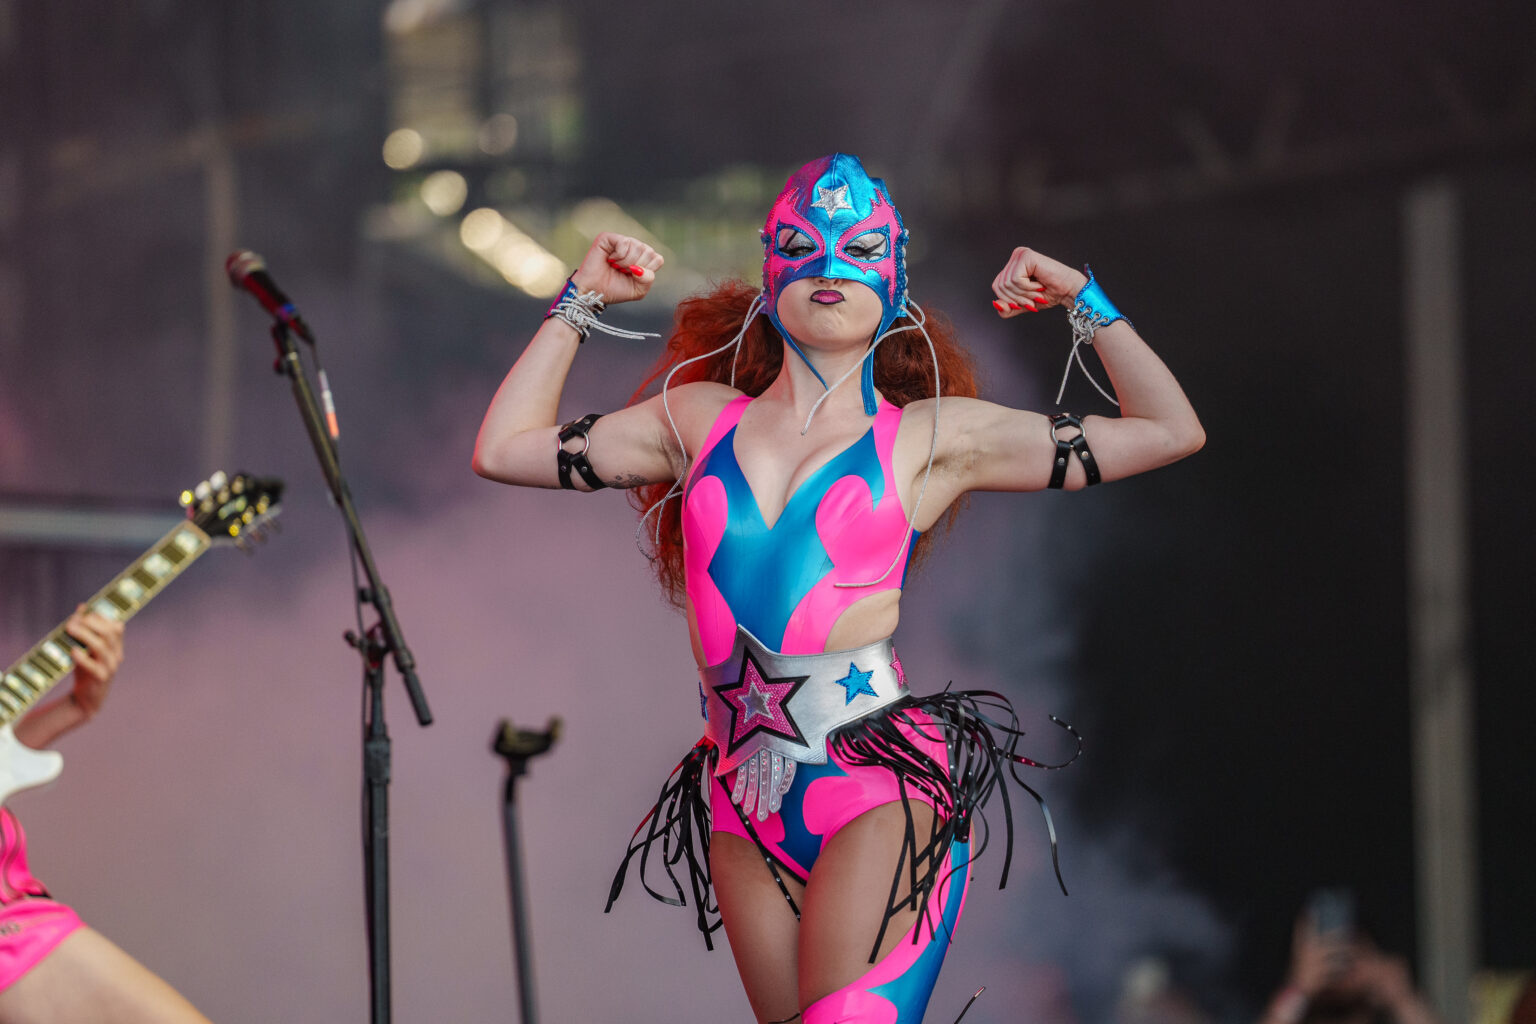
(762,929)
(846,897)
(89,980)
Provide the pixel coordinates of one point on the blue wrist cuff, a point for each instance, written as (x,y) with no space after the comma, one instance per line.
(568,292)
(1093,306)
(1090,310)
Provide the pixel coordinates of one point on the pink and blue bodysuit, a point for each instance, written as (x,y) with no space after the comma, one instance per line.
(777,583)
(799,741)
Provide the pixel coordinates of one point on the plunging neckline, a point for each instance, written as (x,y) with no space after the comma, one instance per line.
(794,492)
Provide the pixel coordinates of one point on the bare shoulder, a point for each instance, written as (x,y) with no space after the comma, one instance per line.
(698,401)
(951,405)
(974,441)
(958,418)
(703,393)
(693,408)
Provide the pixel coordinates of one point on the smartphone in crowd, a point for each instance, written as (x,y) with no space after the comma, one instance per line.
(1332,911)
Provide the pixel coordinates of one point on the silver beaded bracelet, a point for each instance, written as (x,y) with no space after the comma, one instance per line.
(581,310)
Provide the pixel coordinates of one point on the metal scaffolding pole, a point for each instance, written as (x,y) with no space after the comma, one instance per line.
(220,215)
(1439,614)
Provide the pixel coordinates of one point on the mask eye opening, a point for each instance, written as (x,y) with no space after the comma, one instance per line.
(794,244)
(870,247)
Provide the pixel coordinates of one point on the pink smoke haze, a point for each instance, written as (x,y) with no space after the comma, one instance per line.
(209,820)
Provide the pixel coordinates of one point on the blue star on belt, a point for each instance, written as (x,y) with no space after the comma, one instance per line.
(855,683)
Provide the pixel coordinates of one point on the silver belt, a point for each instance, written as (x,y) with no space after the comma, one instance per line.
(759,700)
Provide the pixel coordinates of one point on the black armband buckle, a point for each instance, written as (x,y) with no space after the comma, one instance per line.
(566,461)
(1066,448)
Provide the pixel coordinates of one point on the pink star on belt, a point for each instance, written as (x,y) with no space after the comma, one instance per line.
(759,704)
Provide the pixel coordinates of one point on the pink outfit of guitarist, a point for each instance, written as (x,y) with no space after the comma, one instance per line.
(31,923)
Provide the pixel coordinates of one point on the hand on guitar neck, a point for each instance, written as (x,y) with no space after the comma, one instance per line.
(78,975)
(221,510)
(97,652)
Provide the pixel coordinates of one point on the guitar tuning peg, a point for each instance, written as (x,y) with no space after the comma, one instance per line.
(186,499)
(203,490)
(219,480)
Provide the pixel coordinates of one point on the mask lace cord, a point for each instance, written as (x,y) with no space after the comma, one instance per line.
(920,324)
(1079,339)
(869,354)
(752,310)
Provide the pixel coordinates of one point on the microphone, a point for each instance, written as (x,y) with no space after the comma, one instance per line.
(248,271)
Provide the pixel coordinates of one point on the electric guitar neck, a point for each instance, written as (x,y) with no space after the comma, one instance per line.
(48,662)
(219,510)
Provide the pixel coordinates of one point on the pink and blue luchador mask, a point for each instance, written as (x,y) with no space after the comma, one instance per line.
(833,220)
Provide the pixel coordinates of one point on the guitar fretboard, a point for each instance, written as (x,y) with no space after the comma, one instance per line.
(25,682)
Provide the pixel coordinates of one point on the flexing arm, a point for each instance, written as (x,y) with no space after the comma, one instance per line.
(519,434)
(95,665)
(984,446)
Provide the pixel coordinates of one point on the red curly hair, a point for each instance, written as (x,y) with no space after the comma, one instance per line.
(903,373)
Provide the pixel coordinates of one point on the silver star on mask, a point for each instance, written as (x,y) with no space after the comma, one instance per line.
(832,199)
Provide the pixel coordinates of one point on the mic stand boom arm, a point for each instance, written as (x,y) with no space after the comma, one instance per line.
(375,593)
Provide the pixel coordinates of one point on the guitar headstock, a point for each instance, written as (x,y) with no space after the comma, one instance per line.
(234,509)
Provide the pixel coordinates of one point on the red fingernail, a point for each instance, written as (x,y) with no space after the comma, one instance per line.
(997,304)
(637,271)
(613,262)
(1014,305)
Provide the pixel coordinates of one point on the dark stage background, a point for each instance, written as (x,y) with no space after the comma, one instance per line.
(1231,634)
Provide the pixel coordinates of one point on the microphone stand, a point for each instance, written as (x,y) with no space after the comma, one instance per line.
(518,747)
(383,639)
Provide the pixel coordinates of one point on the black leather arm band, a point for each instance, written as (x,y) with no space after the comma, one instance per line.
(1065,449)
(566,461)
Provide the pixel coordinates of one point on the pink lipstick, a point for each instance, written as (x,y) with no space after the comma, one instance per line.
(827,297)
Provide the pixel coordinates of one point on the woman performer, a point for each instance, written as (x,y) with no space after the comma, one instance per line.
(839,837)
(53,967)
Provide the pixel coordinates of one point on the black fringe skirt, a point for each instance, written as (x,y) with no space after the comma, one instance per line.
(981,733)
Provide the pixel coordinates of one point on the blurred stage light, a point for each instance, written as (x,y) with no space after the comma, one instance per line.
(498,134)
(522,261)
(402,17)
(403,147)
(444,192)
(481,229)
(591,217)
(528,265)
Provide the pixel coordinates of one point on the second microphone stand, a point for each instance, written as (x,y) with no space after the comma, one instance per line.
(517,747)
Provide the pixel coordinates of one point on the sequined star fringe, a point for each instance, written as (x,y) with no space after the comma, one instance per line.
(982,734)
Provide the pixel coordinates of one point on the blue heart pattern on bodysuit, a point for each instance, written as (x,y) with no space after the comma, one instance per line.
(765,572)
